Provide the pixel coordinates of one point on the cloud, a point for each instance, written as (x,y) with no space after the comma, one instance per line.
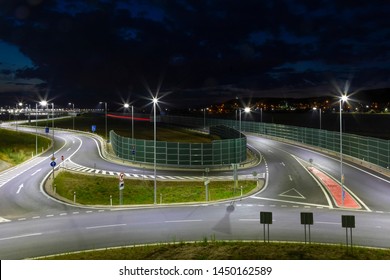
(95,48)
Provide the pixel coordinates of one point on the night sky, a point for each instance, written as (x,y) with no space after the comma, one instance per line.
(193,51)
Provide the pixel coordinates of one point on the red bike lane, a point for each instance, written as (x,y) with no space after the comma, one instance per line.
(335,190)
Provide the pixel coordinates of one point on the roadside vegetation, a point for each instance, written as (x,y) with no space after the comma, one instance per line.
(16,146)
(223,250)
(97,190)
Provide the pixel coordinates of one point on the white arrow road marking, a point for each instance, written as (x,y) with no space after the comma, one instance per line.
(36,171)
(20,187)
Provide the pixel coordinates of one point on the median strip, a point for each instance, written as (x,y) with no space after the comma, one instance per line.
(341,197)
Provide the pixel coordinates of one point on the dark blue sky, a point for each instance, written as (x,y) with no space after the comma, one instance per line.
(199,51)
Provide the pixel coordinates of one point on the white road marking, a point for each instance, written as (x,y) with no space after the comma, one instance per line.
(328,223)
(106,226)
(3,220)
(183,221)
(248,220)
(36,171)
(21,236)
(289,176)
(282,163)
(19,189)
(68,149)
(63,214)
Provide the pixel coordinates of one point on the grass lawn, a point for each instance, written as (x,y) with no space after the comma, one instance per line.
(220,250)
(96,190)
(16,146)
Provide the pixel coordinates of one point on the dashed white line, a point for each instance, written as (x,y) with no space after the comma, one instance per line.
(75,213)
(63,214)
(36,217)
(106,226)
(21,236)
(183,221)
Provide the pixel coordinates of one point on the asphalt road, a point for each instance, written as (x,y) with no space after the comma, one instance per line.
(33,224)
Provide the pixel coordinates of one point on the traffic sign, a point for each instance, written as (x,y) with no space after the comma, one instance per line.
(62,157)
(93,128)
(121,176)
(53,163)
(121,186)
(46,129)
(53,158)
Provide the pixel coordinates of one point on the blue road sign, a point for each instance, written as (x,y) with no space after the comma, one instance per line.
(133,152)
(93,128)
(53,163)
(46,129)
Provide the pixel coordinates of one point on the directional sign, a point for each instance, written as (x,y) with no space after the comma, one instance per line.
(53,163)
(46,129)
(121,176)
(93,128)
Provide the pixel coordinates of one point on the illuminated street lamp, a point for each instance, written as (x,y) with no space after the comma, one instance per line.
(105,112)
(246,110)
(127,105)
(155,101)
(343,98)
(73,115)
(43,104)
(315,109)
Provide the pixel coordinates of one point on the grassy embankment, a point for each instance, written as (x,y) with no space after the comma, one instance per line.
(96,190)
(220,250)
(16,146)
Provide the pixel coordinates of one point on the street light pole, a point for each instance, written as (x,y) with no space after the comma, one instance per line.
(36,129)
(105,112)
(72,113)
(154,128)
(320,112)
(132,123)
(342,99)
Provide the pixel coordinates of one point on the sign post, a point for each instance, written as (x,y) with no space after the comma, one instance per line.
(307,219)
(206,183)
(266,219)
(348,221)
(121,187)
